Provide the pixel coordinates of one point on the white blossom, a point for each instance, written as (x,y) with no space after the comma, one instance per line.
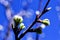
(46,22)
(37,12)
(49,8)
(43,26)
(17,17)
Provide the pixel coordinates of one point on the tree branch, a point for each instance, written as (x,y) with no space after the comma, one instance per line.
(43,12)
(34,21)
(37,30)
(27,29)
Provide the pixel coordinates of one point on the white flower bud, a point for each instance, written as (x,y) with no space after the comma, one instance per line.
(49,8)
(18,18)
(37,12)
(46,22)
(43,26)
(22,26)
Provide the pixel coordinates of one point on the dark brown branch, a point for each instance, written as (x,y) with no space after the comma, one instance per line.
(27,29)
(19,30)
(44,10)
(32,30)
(39,29)
(16,32)
(34,21)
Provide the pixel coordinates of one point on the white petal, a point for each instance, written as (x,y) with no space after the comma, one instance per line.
(43,26)
(17,16)
(22,24)
(49,8)
(48,21)
(37,12)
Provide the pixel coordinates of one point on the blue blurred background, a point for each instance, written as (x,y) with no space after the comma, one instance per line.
(29,7)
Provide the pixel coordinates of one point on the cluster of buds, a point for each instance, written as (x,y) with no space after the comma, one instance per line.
(38,30)
(18,21)
(45,22)
(22,26)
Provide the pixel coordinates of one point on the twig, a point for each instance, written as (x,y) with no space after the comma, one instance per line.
(16,31)
(36,30)
(27,30)
(34,21)
(44,10)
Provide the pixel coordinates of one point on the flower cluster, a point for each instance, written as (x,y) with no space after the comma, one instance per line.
(18,21)
(45,23)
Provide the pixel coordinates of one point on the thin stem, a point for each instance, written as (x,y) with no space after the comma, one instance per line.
(34,21)
(27,29)
(32,30)
(44,8)
(19,30)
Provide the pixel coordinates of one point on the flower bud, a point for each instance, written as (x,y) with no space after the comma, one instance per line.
(42,26)
(48,8)
(39,30)
(22,26)
(46,22)
(37,12)
(17,19)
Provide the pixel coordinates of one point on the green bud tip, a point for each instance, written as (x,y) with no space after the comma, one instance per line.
(46,22)
(22,26)
(18,18)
